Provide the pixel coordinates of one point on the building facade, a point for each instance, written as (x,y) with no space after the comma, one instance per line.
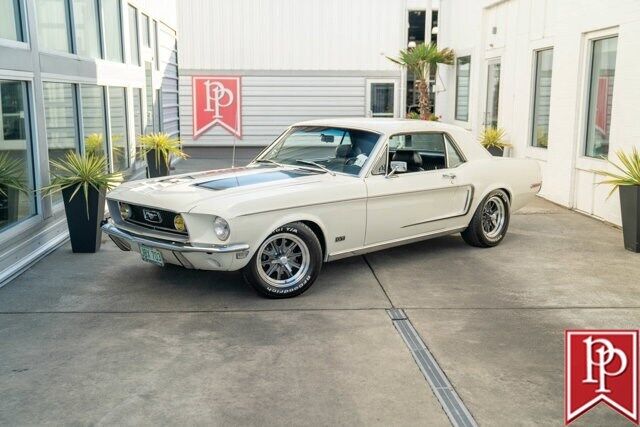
(559,76)
(296,61)
(77,75)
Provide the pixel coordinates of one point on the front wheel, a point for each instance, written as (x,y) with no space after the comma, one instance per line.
(490,221)
(287,263)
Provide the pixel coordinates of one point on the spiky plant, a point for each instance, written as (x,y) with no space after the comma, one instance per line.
(628,173)
(493,137)
(420,60)
(94,144)
(82,172)
(164,145)
(12,175)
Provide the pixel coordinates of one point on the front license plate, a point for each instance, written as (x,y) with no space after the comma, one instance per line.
(151,255)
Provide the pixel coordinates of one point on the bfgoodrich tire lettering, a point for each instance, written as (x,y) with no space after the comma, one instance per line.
(490,221)
(287,263)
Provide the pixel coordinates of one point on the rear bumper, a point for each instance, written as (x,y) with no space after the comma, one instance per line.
(214,257)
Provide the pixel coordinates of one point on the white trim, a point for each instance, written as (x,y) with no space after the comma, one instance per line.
(396,95)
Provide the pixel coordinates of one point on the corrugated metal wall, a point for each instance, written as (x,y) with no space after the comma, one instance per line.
(272,103)
(168,55)
(290,34)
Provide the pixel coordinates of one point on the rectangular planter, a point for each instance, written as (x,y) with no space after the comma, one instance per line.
(630,208)
(496,151)
(156,167)
(84,231)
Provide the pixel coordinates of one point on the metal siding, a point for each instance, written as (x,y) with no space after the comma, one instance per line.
(291,34)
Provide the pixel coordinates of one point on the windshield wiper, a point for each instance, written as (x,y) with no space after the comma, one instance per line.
(267,161)
(309,162)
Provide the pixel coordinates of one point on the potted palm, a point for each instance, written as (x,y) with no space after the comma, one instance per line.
(157,149)
(626,177)
(83,181)
(12,183)
(493,140)
(420,60)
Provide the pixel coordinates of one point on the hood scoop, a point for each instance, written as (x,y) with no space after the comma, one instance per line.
(253,179)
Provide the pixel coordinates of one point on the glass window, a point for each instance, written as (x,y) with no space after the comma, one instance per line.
(137,111)
(146,31)
(157,113)
(93,119)
(60,122)
(454,159)
(15,155)
(542,98)
(112,29)
(53,25)
(118,128)
(85,18)
(463,71)
(381,99)
(424,151)
(156,44)
(10,20)
(134,46)
(151,125)
(603,70)
(316,147)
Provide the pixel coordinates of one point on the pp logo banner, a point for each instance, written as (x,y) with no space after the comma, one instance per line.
(601,366)
(216,101)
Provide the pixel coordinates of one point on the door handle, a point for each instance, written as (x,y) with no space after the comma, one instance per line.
(449,175)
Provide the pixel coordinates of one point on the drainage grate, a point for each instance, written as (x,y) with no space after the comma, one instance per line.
(457,412)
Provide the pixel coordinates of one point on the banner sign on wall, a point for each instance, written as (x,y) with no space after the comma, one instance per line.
(216,101)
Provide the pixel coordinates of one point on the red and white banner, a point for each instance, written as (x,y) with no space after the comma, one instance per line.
(216,101)
(601,366)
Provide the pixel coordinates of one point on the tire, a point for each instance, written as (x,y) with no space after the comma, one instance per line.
(490,222)
(287,263)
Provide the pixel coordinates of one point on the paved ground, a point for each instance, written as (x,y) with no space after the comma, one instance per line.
(107,339)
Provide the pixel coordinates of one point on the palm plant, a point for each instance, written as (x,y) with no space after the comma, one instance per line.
(493,137)
(12,175)
(419,61)
(626,174)
(162,145)
(82,172)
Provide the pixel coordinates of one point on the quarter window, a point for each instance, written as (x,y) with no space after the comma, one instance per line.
(10,20)
(463,73)
(603,70)
(542,98)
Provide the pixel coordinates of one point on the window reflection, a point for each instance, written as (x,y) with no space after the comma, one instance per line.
(93,119)
(118,123)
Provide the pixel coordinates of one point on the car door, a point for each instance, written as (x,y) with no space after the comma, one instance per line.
(425,199)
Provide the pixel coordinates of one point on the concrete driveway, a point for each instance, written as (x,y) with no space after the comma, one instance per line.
(108,339)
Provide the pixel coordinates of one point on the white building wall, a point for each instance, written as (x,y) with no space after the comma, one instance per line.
(521,27)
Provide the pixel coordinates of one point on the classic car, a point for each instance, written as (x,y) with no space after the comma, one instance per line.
(323,190)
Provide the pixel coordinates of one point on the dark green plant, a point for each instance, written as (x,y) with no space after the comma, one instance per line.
(12,175)
(164,145)
(628,173)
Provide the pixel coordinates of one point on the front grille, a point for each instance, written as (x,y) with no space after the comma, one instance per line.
(157,219)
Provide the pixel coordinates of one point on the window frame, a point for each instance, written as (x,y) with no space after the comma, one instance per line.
(455,112)
(24,41)
(103,34)
(130,59)
(534,91)
(74,33)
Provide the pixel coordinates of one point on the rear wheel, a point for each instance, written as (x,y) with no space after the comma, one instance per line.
(490,221)
(287,263)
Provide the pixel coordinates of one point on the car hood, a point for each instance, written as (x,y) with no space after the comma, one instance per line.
(183,193)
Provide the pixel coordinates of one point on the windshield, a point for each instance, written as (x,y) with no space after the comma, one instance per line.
(318,147)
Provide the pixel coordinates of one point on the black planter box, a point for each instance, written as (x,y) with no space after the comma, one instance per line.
(630,207)
(85,232)
(155,168)
(496,151)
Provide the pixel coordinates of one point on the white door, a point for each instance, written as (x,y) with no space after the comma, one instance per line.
(429,197)
(381,98)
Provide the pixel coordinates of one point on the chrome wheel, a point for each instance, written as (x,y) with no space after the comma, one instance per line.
(493,217)
(282,260)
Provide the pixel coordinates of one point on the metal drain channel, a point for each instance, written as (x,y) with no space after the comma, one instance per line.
(457,412)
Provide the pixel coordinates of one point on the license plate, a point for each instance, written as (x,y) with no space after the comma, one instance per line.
(151,255)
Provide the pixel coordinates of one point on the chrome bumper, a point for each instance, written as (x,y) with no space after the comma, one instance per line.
(123,240)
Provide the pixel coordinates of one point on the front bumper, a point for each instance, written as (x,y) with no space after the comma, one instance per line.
(214,257)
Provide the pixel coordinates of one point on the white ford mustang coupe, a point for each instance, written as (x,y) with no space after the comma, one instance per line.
(324,190)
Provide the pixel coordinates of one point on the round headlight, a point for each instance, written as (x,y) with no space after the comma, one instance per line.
(125,211)
(178,223)
(221,228)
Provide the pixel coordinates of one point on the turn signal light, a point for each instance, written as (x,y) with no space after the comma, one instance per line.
(125,211)
(178,223)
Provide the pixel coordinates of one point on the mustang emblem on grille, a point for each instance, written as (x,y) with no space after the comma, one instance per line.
(152,216)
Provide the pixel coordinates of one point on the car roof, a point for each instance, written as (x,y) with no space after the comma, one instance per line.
(382,125)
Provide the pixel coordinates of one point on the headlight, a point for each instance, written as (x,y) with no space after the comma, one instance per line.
(221,228)
(178,223)
(125,211)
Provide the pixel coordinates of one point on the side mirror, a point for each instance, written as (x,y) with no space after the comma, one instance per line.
(397,167)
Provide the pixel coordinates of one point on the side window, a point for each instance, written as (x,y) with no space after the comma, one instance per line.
(454,159)
(421,151)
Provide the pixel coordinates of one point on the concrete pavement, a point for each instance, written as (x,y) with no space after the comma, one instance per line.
(107,339)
